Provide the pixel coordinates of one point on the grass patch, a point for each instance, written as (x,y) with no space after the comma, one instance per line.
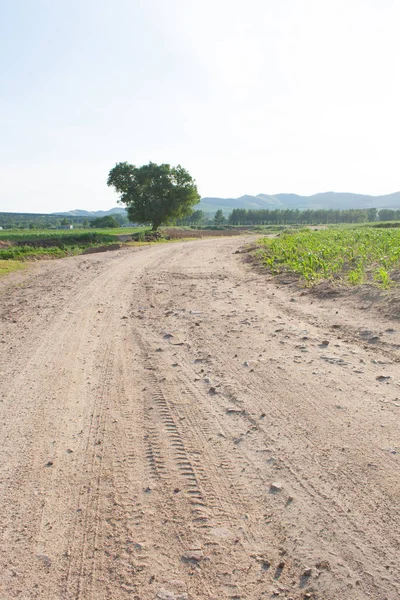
(17,245)
(64,234)
(9,266)
(353,256)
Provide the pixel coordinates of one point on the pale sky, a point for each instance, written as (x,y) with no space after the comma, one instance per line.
(251,96)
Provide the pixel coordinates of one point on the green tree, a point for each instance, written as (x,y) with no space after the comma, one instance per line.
(219,217)
(105,222)
(122,219)
(85,223)
(156,194)
(197,218)
(387,214)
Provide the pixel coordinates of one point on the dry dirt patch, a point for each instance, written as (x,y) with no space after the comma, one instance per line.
(173,425)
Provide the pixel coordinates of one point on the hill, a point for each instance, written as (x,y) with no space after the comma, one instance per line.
(325,200)
(92,213)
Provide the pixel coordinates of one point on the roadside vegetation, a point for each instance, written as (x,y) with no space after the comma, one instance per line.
(28,245)
(18,246)
(352,256)
(8,266)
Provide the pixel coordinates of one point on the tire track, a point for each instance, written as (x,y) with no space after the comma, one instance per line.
(81,570)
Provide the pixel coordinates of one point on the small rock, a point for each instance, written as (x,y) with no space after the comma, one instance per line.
(165,595)
(323,565)
(193,556)
(49,464)
(231,410)
(275,487)
(45,559)
(307,572)
(383,377)
(212,391)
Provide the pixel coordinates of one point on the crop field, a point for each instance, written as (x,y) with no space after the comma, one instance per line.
(26,245)
(66,234)
(355,256)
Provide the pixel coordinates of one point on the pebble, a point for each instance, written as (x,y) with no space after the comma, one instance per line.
(275,487)
(193,556)
(167,595)
(231,410)
(46,559)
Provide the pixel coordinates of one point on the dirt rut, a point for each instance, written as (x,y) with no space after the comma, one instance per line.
(176,426)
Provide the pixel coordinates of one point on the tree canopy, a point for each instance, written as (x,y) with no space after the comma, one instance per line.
(107,222)
(219,217)
(156,194)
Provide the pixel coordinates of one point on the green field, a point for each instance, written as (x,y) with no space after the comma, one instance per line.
(353,256)
(63,234)
(21,245)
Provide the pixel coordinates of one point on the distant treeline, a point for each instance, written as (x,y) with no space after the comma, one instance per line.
(43,221)
(240,216)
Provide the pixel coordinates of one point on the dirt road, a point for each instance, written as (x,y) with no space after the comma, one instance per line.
(176,426)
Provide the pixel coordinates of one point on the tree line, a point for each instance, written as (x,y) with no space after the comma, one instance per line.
(43,221)
(242,216)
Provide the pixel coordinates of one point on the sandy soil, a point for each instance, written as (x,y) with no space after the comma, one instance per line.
(175,425)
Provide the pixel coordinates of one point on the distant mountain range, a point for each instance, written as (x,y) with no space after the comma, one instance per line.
(92,213)
(325,200)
